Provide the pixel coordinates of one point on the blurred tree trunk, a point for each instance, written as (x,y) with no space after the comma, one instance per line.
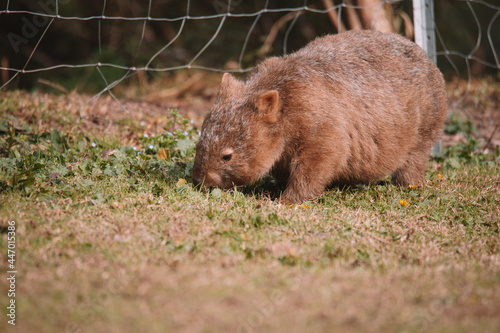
(361,14)
(374,16)
(333,15)
(352,16)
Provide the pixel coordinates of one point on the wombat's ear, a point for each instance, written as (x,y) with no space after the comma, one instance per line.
(268,105)
(227,79)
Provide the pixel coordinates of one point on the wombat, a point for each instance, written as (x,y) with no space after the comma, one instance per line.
(352,107)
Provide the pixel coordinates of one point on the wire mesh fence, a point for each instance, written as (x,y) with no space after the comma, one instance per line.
(104,43)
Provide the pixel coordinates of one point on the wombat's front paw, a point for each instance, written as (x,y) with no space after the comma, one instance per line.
(290,196)
(285,200)
(304,185)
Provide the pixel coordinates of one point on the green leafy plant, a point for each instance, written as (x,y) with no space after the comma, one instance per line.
(31,160)
(456,124)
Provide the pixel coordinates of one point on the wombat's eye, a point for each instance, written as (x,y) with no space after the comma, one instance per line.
(227,154)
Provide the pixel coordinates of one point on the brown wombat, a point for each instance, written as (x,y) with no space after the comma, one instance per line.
(352,107)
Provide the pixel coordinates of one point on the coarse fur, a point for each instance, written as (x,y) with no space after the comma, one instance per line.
(352,107)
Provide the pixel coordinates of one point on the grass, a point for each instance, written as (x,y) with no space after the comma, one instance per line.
(111,239)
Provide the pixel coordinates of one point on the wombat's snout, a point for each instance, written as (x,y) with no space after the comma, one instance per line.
(197,179)
(208,179)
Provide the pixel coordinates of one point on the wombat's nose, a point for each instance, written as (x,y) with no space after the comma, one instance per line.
(197,180)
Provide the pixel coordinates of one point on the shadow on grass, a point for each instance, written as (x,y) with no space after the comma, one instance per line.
(268,187)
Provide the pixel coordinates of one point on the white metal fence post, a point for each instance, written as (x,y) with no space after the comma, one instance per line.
(423,19)
(425,37)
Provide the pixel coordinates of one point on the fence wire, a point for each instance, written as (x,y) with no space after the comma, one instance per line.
(36,25)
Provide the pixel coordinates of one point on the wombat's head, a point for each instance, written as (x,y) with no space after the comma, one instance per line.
(241,137)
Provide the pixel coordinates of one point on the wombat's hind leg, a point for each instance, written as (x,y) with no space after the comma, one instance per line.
(412,171)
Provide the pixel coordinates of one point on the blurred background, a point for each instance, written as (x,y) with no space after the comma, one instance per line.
(468,39)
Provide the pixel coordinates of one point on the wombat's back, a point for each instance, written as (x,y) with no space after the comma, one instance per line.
(379,97)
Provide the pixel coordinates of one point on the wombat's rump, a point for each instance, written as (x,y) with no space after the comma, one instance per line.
(352,107)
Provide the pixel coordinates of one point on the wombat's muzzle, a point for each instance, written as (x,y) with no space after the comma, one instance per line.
(197,180)
(200,180)
(210,180)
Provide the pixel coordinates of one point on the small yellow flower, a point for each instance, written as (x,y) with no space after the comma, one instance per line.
(297,206)
(181,182)
(413,186)
(404,203)
(440,176)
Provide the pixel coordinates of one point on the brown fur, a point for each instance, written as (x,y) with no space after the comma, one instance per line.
(352,107)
